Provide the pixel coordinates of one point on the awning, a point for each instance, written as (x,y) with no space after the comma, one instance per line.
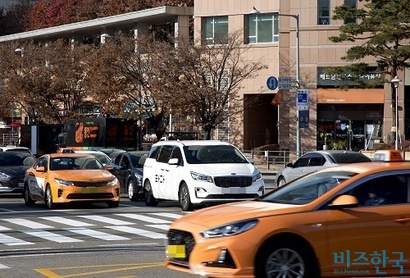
(335,96)
(276,99)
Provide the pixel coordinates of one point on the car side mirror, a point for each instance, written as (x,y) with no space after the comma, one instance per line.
(40,169)
(290,164)
(344,201)
(173,161)
(108,167)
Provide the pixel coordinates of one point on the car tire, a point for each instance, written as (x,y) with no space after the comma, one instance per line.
(184,198)
(286,258)
(131,190)
(149,198)
(113,204)
(48,198)
(281,181)
(27,197)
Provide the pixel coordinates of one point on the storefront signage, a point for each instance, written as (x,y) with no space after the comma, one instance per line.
(328,80)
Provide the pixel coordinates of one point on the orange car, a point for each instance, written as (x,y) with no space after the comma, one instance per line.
(70,177)
(344,221)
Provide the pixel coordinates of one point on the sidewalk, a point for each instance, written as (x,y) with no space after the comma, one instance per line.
(266,169)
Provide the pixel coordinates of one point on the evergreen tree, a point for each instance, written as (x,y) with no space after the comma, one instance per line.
(383,30)
(383,27)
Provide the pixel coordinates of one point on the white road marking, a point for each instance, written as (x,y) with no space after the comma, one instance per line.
(51,236)
(107,220)
(8,240)
(66,221)
(145,218)
(28,223)
(96,234)
(139,232)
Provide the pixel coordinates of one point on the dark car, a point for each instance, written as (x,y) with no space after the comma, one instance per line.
(316,160)
(127,167)
(13,166)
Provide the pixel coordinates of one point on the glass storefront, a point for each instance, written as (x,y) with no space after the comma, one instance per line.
(348,126)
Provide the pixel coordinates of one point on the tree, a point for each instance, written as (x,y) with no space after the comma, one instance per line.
(13,19)
(46,81)
(48,13)
(383,29)
(207,78)
(120,78)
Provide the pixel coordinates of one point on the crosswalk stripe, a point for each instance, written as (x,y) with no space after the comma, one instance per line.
(96,234)
(167,214)
(2,228)
(144,218)
(136,231)
(27,223)
(107,220)
(2,266)
(66,221)
(160,226)
(51,236)
(8,240)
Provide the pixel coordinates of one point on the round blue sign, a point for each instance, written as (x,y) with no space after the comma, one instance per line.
(272,83)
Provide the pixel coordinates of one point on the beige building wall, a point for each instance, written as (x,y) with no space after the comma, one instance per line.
(316,50)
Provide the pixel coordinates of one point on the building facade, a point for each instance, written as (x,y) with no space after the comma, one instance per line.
(292,38)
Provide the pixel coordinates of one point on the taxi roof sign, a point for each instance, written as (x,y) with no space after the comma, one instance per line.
(387,155)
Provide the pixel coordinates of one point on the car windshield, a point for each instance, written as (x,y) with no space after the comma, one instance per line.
(103,158)
(75,163)
(307,188)
(213,154)
(16,159)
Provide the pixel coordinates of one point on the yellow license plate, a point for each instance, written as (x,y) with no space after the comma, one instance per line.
(90,190)
(176,251)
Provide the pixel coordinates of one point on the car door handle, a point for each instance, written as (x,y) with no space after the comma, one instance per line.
(402,220)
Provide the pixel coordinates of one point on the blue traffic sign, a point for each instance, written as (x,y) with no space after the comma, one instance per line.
(272,83)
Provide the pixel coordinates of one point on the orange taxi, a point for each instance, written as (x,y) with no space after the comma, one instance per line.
(343,221)
(70,177)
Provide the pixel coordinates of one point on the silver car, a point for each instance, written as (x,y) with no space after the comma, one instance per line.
(315,160)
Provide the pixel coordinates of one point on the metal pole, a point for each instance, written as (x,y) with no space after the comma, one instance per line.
(395,81)
(296,16)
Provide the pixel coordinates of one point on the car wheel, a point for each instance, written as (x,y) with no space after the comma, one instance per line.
(48,198)
(285,258)
(149,196)
(281,181)
(184,199)
(131,190)
(113,204)
(27,196)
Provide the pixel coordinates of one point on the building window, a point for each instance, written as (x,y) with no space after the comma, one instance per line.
(262,28)
(323,10)
(215,30)
(352,4)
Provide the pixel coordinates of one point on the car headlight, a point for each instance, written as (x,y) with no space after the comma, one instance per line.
(138,176)
(201,177)
(257,176)
(4,176)
(63,182)
(230,229)
(113,182)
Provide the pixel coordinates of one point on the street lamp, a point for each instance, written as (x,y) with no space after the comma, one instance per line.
(296,17)
(395,82)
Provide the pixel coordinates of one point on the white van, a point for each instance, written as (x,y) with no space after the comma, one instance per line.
(199,172)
